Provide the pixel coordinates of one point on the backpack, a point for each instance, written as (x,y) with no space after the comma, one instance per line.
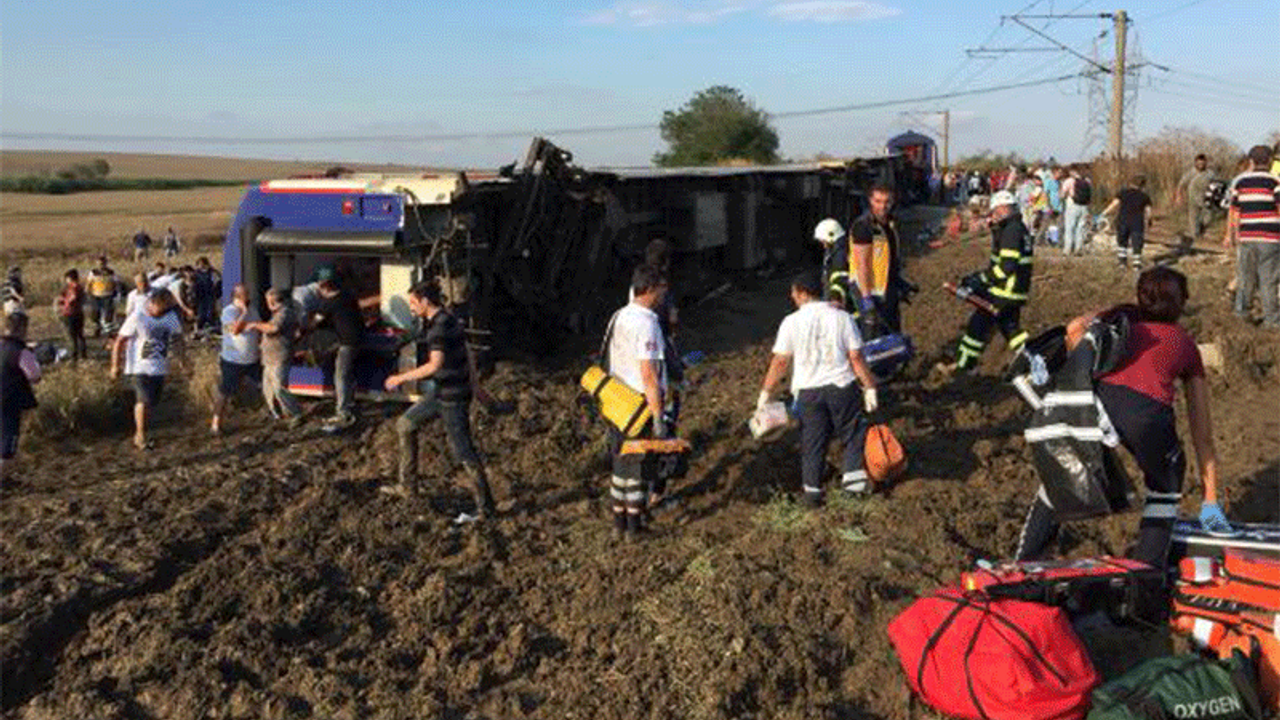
(1081,192)
(978,658)
(1184,686)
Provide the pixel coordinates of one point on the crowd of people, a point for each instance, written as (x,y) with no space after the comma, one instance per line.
(857,295)
(1056,206)
(854,296)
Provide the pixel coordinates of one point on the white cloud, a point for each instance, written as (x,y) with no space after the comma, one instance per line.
(651,14)
(832,11)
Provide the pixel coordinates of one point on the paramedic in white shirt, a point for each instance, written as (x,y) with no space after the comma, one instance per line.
(821,345)
(635,348)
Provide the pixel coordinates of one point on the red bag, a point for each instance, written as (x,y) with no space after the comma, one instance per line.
(972,657)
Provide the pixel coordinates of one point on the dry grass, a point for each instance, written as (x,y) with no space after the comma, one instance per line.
(84,401)
(78,400)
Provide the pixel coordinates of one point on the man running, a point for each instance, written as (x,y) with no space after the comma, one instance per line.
(444,380)
(148,335)
(823,345)
(1005,283)
(239,357)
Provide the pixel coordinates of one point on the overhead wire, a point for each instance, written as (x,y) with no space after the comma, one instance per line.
(1162,15)
(591,130)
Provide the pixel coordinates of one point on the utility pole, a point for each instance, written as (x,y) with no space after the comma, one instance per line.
(1117,92)
(946,140)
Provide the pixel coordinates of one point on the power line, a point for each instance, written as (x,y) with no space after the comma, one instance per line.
(1216,102)
(1223,81)
(968,59)
(1167,13)
(591,130)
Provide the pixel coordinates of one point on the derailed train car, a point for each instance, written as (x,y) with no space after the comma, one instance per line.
(540,250)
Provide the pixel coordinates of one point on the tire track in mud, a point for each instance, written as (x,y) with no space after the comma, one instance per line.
(30,658)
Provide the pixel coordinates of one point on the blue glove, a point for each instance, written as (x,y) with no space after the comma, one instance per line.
(1214,522)
(693,358)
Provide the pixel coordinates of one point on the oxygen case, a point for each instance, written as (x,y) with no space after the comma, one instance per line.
(624,408)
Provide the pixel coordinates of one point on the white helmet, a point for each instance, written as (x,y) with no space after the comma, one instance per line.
(1004,197)
(828,231)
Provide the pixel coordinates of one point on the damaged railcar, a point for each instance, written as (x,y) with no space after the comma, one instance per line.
(529,254)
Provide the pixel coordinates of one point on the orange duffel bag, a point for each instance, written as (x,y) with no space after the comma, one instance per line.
(883,454)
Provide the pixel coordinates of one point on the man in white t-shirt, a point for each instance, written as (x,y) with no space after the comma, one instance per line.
(136,299)
(239,357)
(821,345)
(635,357)
(148,336)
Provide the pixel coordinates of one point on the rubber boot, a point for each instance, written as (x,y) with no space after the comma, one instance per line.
(484,499)
(407,468)
(1038,531)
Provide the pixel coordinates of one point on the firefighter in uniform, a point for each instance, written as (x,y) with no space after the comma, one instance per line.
(862,269)
(1005,283)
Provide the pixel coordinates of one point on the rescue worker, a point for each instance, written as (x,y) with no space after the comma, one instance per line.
(1138,398)
(863,269)
(1005,283)
(102,290)
(446,393)
(821,347)
(636,357)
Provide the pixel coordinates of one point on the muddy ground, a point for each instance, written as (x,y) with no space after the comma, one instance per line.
(263,575)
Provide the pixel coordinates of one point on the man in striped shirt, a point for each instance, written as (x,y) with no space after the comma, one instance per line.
(1255,225)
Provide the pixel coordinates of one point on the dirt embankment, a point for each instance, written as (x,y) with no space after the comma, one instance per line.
(263,575)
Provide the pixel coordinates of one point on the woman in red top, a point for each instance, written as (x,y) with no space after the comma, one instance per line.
(1138,398)
(71,310)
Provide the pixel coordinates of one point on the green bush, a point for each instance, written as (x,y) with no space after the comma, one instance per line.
(72,181)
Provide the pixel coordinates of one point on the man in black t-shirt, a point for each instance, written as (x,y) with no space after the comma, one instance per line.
(444,380)
(1132,221)
(867,271)
(340,310)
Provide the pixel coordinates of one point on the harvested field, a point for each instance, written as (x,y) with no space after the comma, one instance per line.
(262,575)
(145,165)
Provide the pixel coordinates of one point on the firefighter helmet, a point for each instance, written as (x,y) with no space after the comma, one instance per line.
(828,231)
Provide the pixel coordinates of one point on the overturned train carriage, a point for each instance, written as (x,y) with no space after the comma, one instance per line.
(537,251)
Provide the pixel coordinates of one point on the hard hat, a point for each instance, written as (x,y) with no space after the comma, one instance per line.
(828,231)
(1004,197)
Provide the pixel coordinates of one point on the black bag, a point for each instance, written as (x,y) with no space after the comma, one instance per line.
(1080,473)
(1082,192)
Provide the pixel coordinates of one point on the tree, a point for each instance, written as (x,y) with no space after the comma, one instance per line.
(716,126)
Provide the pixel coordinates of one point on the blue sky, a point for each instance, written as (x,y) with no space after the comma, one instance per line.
(230,68)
